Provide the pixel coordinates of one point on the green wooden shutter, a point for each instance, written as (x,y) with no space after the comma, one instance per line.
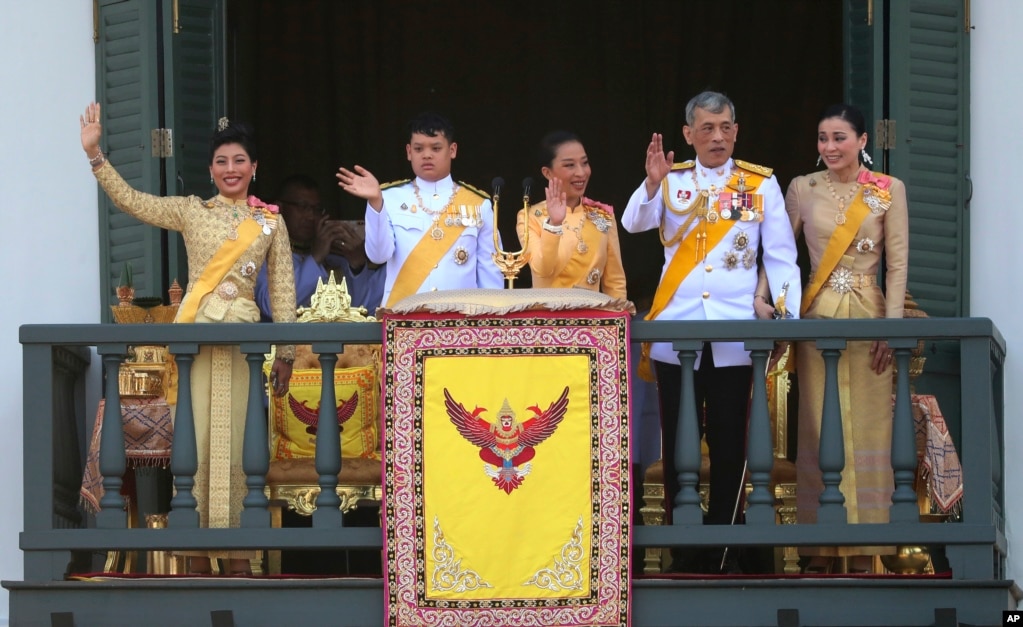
(928,100)
(195,86)
(864,73)
(126,87)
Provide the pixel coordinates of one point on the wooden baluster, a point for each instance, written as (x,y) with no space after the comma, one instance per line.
(256,450)
(184,457)
(904,460)
(759,448)
(832,444)
(328,451)
(112,460)
(686,508)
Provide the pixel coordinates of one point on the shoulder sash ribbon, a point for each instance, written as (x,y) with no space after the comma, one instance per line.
(681,264)
(217,267)
(840,240)
(428,252)
(686,258)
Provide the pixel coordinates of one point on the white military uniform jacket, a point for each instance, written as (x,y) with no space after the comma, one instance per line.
(722,285)
(394,231)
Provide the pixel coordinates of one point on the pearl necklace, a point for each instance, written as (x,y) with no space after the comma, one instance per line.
(841,200)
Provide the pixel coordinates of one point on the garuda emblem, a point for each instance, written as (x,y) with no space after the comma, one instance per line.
(311,417)
(507,445)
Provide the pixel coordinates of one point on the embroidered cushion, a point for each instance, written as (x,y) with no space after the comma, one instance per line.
(294,416)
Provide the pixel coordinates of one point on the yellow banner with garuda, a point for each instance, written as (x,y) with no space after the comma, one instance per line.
(507,469)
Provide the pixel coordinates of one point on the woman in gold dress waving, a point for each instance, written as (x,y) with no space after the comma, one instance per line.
(573,241)
(228,238)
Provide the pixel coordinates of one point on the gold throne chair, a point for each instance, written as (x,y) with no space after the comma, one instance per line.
(292,481)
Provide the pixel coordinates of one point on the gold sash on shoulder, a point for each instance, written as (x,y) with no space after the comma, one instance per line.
(686,258)
(429,251)
(840,240)
(217,267)
(215,270)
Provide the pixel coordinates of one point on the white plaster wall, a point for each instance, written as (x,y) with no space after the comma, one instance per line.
(49,250)
(996,237)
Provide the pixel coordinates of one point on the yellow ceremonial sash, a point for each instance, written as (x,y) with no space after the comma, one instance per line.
(682,263)
(840,240)
(215,270)
(686,258)
(217,267)
(420,262)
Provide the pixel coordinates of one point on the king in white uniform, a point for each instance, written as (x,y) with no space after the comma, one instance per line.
(714,214)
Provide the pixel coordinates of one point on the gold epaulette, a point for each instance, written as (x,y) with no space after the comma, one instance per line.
(394,183)
(685,165)
(474,190)
(762,170)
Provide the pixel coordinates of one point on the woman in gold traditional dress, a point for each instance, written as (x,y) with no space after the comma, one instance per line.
(850,217)
(228,238)
(573,241)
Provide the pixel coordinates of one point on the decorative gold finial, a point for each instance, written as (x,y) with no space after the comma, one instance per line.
(506,410)
(332,303)
(223,123)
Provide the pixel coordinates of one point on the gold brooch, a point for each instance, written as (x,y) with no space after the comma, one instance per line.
(741,240)
(731,260)
(593,276)
(461,255)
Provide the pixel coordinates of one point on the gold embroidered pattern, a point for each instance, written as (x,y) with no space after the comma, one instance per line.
(566,573)
(448,574)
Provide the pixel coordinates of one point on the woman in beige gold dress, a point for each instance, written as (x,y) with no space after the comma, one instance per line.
(852,218)
(573,241)
(228,238)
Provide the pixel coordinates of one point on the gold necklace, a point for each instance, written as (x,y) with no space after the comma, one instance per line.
(578,230)
(841,200)
(436,232)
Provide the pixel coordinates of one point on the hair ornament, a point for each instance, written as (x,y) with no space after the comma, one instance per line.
(222,124)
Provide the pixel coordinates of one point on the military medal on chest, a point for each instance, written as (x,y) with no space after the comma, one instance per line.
(599,220)
(741,205)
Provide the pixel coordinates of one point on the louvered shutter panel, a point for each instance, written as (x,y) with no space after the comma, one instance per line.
(126,87)
(863,71)
(929,103)
(195,86)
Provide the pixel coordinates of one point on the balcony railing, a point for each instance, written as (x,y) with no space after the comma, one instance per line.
(975,545)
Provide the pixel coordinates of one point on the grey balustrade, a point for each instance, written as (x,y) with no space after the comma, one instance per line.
(975,545)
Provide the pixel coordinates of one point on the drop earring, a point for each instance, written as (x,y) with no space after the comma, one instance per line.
(211,180)
(818,161)
(866,156)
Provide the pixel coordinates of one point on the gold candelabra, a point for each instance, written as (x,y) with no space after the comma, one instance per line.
(510,263)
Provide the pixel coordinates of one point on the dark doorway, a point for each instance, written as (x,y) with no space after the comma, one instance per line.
(329,82)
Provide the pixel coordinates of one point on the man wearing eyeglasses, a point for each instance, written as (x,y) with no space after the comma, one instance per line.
(320,245)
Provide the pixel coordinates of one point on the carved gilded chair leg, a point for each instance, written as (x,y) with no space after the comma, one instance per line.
(273,556)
